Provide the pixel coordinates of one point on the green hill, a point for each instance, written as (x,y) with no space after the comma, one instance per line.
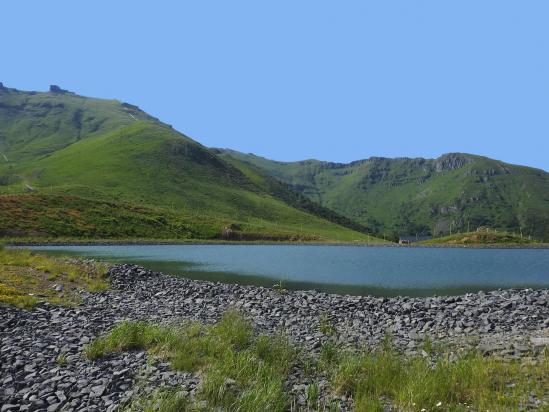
(403,196)
(480,238)
(76,166)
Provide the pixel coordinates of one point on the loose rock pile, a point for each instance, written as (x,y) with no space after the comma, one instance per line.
(42,366)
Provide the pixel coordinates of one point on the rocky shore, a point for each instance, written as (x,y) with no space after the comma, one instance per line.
(42,366)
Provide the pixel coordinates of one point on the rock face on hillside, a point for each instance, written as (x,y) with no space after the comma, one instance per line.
(42,366)
(451,161)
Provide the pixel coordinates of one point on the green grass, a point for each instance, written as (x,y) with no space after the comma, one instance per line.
(27,278)
(54,216)
(481,238)
(159,401)
(61,359)
(413,383)
(242,371)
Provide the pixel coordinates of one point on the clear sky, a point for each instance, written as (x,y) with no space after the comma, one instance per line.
(296,79)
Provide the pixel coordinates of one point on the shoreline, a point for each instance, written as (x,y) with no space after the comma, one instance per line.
(510,323)
(176,242)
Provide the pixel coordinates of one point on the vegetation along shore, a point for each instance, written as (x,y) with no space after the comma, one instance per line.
(470,240)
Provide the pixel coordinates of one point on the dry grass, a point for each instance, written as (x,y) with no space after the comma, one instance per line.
(27,278)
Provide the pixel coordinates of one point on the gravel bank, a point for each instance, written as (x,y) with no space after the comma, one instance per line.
(42,367)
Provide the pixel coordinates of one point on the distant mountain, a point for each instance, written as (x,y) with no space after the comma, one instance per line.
(78,166)
(403,196)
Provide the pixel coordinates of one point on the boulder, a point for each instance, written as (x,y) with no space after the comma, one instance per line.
(56,89)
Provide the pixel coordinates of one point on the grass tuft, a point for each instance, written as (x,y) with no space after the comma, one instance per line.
(128,336)
(313,393)
(62,359)
(326,326)
(414,384)
(240,371)
(159,401)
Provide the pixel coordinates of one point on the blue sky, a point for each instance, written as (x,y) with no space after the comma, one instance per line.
(302,79)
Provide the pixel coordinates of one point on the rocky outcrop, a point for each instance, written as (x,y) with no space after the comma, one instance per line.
(42,366)
(130,106)
(452,161)
(58,90)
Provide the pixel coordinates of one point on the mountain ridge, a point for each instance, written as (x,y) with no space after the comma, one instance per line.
(408,196)
(367,159)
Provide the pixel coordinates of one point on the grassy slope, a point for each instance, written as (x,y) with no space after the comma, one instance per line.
(36,124)
(283,191)
(112,154)
(27,278)
(409,196)
(71,216)
(481,238)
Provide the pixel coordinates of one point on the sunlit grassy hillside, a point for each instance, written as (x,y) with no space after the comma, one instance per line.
(73,166)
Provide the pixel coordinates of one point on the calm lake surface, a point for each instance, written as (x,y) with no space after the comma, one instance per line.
(382,271)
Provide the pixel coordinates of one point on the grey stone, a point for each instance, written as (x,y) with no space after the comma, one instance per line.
(98,390)
(539,341)
(10,407)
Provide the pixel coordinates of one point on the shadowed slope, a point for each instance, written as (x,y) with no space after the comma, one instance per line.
(408,196)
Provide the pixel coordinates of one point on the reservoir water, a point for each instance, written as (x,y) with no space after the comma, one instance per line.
(382,271)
